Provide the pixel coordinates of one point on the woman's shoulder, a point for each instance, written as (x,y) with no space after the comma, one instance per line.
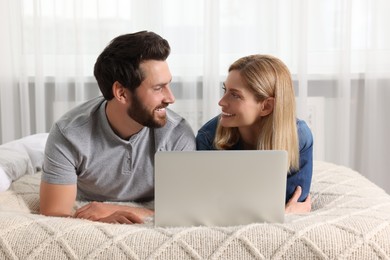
(304,134)
(302,126)
(206,134)
(210,126)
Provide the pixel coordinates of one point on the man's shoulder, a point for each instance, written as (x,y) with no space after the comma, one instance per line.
(173,117)
(80,115)
(176,134)
(175,121)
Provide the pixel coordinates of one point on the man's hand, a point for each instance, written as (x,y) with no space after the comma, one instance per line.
(122,217)
(293,206)
(110,213)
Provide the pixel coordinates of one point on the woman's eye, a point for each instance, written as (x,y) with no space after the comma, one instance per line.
(235,95)
(232,93)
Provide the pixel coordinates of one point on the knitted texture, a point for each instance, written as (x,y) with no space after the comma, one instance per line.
(350,219)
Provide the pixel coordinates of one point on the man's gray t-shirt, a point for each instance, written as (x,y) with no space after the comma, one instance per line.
(82,148)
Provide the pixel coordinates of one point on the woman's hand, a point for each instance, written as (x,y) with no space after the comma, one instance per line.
(293,206)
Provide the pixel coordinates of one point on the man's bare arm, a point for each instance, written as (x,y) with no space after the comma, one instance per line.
(57,200)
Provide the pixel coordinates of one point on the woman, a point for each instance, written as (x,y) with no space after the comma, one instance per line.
(258,113)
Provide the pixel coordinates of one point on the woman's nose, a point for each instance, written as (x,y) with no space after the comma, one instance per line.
(222,102)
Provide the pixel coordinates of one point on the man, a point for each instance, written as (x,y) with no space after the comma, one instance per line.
(103,150)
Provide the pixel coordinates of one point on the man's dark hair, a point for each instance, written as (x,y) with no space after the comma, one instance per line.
(120,60)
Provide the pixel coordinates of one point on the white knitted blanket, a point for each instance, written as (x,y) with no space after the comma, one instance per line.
(350,220)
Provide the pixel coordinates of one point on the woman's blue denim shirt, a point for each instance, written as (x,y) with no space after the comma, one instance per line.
(205,138)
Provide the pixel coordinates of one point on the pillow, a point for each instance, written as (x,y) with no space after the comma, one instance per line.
(20,157)
(13,164)
(5,181)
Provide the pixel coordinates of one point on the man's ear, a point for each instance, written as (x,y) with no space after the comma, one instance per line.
(267,106)
(119,92)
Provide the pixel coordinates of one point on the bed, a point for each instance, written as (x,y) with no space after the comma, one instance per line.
(350,219)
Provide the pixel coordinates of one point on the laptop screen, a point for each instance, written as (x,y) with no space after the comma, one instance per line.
(219,188)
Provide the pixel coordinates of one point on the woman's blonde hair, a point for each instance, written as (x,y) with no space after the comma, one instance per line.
(267,76)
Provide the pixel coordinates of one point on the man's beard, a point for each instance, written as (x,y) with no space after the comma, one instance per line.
(140,114)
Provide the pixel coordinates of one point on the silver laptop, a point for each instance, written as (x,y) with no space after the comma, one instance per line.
(219,188)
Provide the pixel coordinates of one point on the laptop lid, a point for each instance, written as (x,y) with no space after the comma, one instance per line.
(219,188)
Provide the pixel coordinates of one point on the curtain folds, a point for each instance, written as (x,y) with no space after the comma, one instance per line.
(338,52)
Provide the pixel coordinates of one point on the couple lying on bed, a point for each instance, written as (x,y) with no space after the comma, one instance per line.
(103,150)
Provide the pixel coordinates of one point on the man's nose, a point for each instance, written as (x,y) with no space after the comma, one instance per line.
(168,96)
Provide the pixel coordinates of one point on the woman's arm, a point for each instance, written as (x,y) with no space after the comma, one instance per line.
(302,177)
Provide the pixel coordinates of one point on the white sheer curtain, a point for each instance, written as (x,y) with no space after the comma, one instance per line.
(337,50)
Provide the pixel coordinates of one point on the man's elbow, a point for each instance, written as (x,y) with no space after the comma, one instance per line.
(53,212)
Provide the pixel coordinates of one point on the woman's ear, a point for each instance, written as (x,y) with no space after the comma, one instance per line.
(267,106)
(119,92)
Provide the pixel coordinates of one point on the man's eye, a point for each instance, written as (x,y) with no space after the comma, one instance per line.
(224,89)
